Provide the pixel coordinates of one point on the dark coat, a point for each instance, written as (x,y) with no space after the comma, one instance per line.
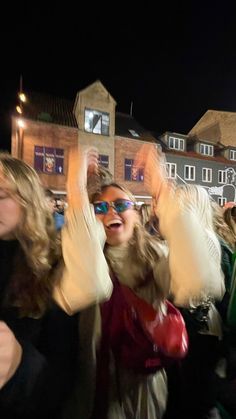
(45,376)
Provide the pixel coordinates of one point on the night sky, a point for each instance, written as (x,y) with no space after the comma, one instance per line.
(173,64)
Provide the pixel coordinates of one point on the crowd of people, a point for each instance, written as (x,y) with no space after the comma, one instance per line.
(112,311)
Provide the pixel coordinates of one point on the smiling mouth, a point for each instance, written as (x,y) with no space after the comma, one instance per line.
(114,225)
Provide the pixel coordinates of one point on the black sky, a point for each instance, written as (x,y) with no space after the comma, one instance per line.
(174,61)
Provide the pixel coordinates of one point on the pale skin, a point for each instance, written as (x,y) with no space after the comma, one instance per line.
(10,349)
(119,227)
(81,164)
(161,189)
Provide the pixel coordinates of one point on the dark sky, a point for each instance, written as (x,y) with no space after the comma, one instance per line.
(173,64)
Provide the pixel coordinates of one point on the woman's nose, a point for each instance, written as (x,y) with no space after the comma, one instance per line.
(112,209)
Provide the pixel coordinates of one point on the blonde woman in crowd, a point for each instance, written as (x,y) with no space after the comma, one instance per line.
(188,270)
(197,387)
(38,340)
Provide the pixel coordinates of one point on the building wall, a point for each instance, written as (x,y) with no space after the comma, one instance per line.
(49,135)
(96,97)
(126,148)
(215,189)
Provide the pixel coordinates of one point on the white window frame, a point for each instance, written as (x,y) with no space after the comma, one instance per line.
(221,201)
(222,178)
(190,169)
(96,122)
(177,143)
(171,170)
(206,175)
(206,149)
(232,155)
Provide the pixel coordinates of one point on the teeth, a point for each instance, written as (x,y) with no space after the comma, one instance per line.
(113,222)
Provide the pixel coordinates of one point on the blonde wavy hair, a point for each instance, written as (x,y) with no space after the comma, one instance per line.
(222,228)
(143,248)
(229,219)
(39,245)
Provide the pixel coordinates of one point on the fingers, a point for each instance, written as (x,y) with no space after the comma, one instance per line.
(92,160)
(153,163)
(81,162)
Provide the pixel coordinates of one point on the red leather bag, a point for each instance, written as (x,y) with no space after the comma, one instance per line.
(142,338)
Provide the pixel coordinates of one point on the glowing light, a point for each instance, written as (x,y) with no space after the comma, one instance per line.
(20,123)
(19,110)
(22,97)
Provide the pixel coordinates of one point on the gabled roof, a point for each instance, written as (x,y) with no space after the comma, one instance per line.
(97,86)
(217,127)
(48,108)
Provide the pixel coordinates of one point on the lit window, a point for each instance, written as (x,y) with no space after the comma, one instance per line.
(133,173)
(134,133)
(103,160)
(49,160)
(96,122)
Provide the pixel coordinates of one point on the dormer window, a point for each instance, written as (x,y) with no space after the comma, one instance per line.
(176,143)
(206,149)
(232,154)
(96,122)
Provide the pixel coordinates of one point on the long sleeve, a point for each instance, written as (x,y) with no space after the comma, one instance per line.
(85,279)
(194,254)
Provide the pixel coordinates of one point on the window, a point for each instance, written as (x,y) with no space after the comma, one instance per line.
(96,122)
(134,133)
(206,149)
(221,201)
(221,176)
(232,155)
(103,160)
(176,143)
(49,160)
(189,172)
(206,175)
(171,170)
(132,172)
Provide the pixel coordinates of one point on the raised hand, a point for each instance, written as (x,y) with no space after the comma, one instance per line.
(82,161)
(10,354)
(155,178)
(153,163)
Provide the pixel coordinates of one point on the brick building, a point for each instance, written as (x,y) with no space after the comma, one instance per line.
(48,126)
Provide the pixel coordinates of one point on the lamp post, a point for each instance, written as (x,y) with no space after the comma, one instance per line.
(20,125)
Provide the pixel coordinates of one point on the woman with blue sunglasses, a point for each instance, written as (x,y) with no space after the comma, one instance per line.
(141,262)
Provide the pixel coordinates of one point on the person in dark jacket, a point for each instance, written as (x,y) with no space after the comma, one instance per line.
(38,340)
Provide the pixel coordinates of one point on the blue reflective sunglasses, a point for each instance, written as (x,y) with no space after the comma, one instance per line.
(119,205)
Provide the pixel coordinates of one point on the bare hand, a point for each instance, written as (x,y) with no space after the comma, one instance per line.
(10,354)
(82,161)
(155,178)
(153,163)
